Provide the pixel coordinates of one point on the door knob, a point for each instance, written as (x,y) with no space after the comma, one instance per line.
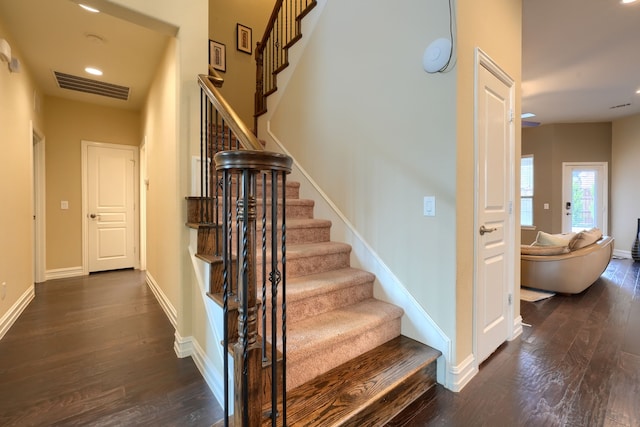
(484,229)
(93,216)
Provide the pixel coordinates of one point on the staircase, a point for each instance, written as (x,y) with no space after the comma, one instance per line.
(347,363)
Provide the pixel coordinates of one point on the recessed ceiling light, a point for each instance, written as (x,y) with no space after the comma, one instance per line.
(93,71)
(638,91)
(527,115)
(628,1)
(89,8)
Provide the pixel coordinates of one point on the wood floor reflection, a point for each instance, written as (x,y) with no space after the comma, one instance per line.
(577,365)
(98,350)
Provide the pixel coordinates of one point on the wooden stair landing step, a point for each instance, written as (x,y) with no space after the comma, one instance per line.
(366,391)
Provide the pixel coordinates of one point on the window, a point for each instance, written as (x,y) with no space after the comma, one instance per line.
(526,191)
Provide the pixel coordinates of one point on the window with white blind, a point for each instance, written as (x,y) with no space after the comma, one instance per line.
(526,191)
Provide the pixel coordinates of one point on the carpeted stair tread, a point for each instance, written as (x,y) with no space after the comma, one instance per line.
(313,335)
(327,281)
(320,343)
(304,250)
(314,294)
(305,223)
(300,230)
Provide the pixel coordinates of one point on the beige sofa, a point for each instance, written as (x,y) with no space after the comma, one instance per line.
(569,273)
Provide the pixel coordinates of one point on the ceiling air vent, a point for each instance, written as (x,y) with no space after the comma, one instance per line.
(620,106)
(81,84)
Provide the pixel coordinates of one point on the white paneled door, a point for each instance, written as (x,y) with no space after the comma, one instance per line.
(110,206)
(494,219)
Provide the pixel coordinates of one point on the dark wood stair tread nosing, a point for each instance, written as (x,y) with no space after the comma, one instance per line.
(369,378)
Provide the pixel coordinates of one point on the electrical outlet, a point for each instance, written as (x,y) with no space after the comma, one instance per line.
(3,290)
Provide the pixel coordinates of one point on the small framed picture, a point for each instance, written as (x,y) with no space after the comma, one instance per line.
(217,56)
(244,39)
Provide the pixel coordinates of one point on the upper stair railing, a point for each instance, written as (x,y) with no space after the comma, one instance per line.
(281,32)
(246,184)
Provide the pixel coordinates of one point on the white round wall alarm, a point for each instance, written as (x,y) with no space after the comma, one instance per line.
(436,55)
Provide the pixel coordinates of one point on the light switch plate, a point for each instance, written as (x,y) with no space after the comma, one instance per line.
(429,206)
(64,204)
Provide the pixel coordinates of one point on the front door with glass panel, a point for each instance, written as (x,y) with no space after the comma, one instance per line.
(584,196)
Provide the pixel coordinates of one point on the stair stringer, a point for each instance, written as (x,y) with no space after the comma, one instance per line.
(416,322)
(210,364)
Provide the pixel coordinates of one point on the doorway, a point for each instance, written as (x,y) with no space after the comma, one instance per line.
(39,219)
(495,230)
(110,191)
(584,196)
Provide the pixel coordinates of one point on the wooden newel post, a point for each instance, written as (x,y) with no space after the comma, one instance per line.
(248,349)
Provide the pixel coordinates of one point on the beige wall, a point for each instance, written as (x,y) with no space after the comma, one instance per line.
(172,130)
(17,112)
(240,78)
(67,124)
(163,210)
(377,134)
(625,177)
(495,27)
(551,145)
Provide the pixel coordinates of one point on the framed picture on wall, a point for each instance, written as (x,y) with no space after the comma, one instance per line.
(217,55)
(244,39)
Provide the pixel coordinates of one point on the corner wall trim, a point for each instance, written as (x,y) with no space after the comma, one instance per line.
(166,305)
(460,375)
(16,310)
(64,273)
(188,346)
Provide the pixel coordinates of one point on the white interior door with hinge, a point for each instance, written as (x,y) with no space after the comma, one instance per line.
(495,140)
(584,196)
(110,180)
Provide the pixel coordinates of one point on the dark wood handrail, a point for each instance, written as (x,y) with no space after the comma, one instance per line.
(215,78)
(245,136)
(272,21)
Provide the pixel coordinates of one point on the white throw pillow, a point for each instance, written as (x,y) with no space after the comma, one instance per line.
(546,239)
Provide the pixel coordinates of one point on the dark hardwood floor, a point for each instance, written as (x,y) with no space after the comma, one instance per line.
(577,365)
(98,351)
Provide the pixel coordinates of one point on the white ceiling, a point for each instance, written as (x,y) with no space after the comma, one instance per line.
(58,35)
(580,57)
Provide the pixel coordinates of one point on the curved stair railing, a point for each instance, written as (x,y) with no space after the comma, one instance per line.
(241,185)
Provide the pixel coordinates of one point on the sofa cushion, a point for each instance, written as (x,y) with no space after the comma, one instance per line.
(586,238)
(546,239)
(544,250)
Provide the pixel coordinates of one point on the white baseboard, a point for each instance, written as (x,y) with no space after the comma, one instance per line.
(183,346)
(460,375)
(16,310)
(622,254)
(166,305)
(517,328)
(63,273)
(188,346)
